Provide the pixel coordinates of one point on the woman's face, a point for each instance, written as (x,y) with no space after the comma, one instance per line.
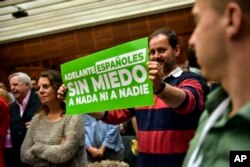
(47,93)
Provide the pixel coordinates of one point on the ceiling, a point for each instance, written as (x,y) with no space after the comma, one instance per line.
(43,17)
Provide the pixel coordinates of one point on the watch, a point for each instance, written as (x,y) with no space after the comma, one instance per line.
(161,88)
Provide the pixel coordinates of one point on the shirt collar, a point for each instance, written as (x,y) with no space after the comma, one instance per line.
(244,111)
(25,100)
(216,97)
(175,73)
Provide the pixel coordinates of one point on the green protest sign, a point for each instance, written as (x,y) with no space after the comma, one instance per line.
(114,78)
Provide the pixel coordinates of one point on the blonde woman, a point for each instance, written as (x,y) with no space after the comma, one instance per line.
(53,138)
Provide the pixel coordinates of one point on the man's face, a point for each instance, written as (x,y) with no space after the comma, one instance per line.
(208,39)
(161,51)
(18,88)
(34,84)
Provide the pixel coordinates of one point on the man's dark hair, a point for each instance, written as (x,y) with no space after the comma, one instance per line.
(192,58)
(170,34)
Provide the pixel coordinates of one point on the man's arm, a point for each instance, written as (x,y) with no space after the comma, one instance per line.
(171,95)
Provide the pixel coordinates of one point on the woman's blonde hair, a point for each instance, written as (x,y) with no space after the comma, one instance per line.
(5,95)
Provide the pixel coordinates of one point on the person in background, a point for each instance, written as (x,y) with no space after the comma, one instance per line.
(128,131)
(103,141)
(129,128)
(53,138)
(34,86)
(192,62)
(222,45)
(4,121)
(21,111)
(185,66)
(164,129)
(192,65)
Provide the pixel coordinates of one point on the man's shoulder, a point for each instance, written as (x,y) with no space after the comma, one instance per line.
(190,74)
(187,75)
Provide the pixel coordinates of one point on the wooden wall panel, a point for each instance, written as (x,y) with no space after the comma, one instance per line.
(17,52)
(184,48)
(103,36)
(34,50)
(120,32)
(4,64)
(155,22)
(176,20)
(5,55)
(84,40)
(50,45)
(138,28)
(52,50)
(67,44)
(189,21)
(33,72)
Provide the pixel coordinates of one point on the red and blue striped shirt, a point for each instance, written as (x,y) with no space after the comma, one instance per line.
(164,132)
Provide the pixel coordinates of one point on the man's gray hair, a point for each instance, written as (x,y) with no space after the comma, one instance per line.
(23,77)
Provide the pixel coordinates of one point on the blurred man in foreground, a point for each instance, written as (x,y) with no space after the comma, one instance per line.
(222,43)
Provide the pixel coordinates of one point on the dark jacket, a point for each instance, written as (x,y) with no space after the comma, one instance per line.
(17,123)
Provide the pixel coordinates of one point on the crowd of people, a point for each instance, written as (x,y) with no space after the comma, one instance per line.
(190,124)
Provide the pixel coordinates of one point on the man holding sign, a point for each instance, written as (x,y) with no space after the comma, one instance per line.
(165,128)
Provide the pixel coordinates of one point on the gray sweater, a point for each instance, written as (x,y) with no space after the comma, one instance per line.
(42,144)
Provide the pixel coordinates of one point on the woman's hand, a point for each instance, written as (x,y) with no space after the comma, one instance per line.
(61,93)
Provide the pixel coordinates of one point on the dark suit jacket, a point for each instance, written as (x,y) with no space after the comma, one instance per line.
(17,123)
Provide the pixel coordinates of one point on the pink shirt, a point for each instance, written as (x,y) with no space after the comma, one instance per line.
(24,104)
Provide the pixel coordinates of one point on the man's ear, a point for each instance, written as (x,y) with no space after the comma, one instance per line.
(177,50)
(234,19)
